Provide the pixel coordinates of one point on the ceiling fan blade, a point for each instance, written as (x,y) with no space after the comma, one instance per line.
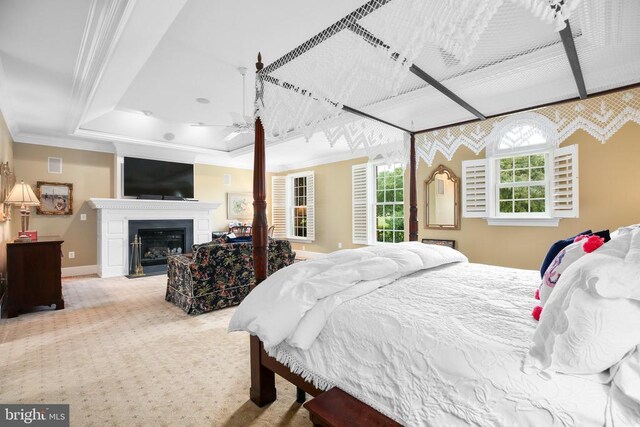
(231,136)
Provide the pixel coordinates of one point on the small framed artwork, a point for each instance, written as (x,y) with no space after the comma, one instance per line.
(440,242)
(56,198)
(239,205)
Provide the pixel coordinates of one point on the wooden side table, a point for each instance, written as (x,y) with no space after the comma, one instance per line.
(34,275)
(335,408)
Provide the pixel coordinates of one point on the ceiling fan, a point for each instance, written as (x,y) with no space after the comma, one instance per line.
(242,124)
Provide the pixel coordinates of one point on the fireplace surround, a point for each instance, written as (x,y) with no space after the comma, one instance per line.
(114,216)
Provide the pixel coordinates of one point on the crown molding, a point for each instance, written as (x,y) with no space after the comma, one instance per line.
(215,161)
(132,149)
(171,152)
(94,134)
(5,104)
(65,142)
(105,23)
(350,155)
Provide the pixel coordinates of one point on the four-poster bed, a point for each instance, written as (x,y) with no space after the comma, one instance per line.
(265,366)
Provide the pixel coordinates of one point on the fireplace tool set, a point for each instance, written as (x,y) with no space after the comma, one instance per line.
(135,268)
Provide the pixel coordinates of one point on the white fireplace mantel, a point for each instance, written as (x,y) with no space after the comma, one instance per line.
(113,226)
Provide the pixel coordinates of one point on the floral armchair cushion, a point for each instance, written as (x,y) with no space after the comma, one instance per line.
(219,274)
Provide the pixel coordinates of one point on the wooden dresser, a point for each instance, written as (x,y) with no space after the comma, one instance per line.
(34,275)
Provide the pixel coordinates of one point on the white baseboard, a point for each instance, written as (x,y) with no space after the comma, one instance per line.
(309,254)
(81,270)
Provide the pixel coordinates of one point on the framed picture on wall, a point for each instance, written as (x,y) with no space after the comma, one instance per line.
(440,242)
(239,205)
(56,198)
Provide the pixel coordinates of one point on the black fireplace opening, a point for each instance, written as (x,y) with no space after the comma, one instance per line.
(157,244)
(159,239)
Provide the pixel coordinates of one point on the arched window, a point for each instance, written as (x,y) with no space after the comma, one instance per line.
(521,136)
(525,179)
(523,133)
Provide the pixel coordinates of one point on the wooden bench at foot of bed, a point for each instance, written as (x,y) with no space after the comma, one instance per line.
(335,408)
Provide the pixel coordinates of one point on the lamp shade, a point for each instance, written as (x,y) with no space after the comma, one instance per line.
(22,194)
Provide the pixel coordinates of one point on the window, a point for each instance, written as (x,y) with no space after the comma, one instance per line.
(377,203)
(526,179)
(299,207)
(521,185)
(389,224)
(292,206)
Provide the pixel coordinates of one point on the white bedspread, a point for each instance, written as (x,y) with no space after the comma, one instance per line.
(444,347)
(294,303)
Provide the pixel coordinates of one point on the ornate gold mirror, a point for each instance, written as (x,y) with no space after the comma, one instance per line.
(443,200)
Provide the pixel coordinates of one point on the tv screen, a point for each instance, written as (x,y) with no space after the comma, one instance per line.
(153,177)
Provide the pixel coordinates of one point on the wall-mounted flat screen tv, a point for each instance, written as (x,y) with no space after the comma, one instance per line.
(157,178)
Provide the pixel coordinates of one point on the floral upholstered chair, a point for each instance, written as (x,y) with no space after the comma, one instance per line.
(219,275)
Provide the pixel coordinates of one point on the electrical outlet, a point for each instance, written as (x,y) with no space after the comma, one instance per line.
(339,245)
(83,217)
(304,248)
(72,255)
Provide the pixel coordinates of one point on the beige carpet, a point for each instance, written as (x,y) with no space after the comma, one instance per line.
(121,355)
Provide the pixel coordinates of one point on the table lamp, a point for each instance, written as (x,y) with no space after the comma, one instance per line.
(23,195)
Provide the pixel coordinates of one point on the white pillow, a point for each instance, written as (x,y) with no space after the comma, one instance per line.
(627,376)
(592,318)
(600,333)
(624,395)
(623,230)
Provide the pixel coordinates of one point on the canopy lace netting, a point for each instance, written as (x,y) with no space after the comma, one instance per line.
(498,55)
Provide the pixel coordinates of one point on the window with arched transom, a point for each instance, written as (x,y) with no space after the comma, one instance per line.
(526,179)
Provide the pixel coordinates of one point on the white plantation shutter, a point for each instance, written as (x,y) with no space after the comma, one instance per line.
(279,206)
(311,215)
(475,193)
(564,184)
(360,214)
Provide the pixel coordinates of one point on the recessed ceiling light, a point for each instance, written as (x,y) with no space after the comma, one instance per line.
(147,113)
(202,100)
(169,136)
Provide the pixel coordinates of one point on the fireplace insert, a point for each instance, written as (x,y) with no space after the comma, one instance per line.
(159,239)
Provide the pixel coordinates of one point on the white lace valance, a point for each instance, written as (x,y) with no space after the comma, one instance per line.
(600,117)
(378,141)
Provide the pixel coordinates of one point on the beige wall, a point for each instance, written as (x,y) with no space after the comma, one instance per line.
(91,175)
(6,155)
(209,186)
(608,199)
(609,174)
(332,206)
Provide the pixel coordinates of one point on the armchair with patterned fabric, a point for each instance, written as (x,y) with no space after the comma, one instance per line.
(219,274)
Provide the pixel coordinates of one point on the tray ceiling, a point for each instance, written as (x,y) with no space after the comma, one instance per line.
(115,74)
